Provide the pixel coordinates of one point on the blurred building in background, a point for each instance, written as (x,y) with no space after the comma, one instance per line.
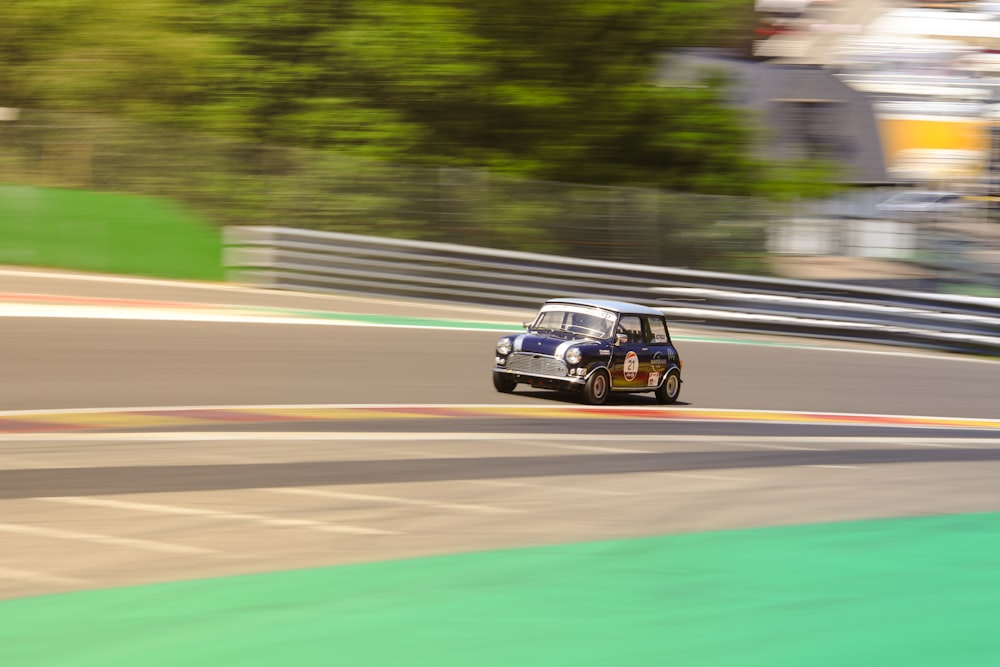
(806,111)
(927,70)
(917,110)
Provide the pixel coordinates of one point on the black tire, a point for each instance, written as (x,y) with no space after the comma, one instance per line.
(503,382)
(670,388)
(597,388)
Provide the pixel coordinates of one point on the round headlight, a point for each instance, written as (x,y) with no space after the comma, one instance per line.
(504,346)
(573,355)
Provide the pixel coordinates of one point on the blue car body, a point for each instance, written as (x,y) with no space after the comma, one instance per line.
(594,347)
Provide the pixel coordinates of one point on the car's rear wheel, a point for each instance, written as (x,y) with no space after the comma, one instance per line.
(595,390)
(503,382)
(670,390)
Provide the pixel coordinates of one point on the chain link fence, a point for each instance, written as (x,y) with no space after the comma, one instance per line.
(239,183)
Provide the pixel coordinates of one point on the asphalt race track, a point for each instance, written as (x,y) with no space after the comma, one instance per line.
(169,433)
(80,363)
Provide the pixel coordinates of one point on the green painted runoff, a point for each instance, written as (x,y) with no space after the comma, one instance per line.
(912,591)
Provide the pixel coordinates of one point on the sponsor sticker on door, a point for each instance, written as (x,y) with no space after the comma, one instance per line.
(631,366)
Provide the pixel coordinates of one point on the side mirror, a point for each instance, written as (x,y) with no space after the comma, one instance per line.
(526,325)
(621,339)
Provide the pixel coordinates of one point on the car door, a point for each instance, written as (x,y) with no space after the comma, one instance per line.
(660,350)
(631,361)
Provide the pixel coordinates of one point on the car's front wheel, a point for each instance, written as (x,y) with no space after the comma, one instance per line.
(670,390)
(503,382)
(595,390)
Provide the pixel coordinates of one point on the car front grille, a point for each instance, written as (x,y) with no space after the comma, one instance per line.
(535,364)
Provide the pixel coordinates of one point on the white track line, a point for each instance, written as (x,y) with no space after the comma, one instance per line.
(835,467)
(395,500)
(38,577)
(307,524)
(339,437)
(609,411)
(549,487)
(246,289)
(541,442)
(147,545)
(123,280)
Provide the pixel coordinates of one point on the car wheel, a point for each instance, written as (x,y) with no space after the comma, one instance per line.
(671,387)
(595,391)
(504,383)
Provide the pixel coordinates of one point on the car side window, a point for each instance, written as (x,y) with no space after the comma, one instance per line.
(631,325)
(656,331)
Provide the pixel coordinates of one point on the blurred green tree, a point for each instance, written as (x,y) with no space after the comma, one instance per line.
(135,59)
(559,90)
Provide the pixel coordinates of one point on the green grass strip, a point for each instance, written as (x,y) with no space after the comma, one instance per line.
(107,233)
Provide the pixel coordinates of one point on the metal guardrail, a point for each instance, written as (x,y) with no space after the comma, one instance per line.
(307,260)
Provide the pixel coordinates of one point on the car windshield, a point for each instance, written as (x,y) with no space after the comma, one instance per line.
(577,320)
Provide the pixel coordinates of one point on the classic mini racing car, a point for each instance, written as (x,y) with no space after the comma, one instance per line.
(593,346)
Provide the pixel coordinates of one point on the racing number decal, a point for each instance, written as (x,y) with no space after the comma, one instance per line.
(631,366)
